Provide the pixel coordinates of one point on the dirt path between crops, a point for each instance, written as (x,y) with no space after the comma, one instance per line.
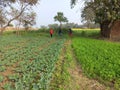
(78,80)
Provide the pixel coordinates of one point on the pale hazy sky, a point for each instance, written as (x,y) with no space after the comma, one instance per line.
(47,9)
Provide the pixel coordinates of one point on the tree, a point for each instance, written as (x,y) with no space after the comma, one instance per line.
(60,18)
(69,25)
(8,6)
(43,27)
(29,20)
(54,26)
(88,16)
(73,2)
(26,20)
(106,13)
(2,18)
(10,25)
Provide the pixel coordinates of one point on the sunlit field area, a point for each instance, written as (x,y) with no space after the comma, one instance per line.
(99,59)
(31,60)
(27,61)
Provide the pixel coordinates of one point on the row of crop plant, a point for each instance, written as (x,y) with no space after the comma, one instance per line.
(99,59)
(35,61)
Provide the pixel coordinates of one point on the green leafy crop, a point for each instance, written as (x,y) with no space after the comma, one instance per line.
(99,59)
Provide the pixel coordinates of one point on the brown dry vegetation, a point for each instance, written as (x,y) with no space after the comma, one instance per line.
(14,29)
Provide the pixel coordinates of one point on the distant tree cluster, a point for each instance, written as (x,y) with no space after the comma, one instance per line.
(70,25)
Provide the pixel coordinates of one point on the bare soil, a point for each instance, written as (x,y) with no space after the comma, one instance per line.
(6,73)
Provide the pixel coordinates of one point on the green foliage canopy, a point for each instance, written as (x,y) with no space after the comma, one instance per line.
(104,10)
(60,17)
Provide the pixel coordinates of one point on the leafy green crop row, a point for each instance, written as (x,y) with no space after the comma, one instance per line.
(34,58)
(40,69)
(98,58)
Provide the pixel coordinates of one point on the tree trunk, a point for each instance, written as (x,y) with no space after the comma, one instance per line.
(105,29)
(27,28)
(101,30)
(60,25)
(17,31)
(2,29)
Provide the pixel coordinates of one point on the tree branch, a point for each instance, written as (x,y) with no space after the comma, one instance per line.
(22,10)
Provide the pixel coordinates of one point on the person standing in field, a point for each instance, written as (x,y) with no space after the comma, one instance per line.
(70,32)
(51,32)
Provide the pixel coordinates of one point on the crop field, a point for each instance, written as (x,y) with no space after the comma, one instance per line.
(27,61)
(99,59)
(30,61)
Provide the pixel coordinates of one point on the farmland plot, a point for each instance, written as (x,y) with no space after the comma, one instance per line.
(99,59)
(27,62)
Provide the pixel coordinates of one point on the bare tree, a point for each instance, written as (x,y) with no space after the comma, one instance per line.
(9,6)
(28,20)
